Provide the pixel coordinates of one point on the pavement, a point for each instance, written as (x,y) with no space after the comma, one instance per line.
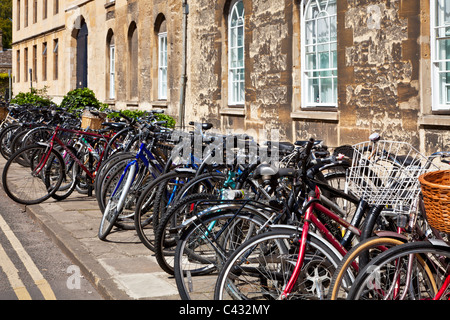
(120,268)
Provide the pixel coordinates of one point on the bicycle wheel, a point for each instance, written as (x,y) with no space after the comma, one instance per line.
(117,201)
(105,171)
(411,271)
(6,136)
(69,180)
(144,214)
(32,175)
(262,267)
(167,192)
(209,182)
(205,245)
(346,271)
(117,143)
(166,236)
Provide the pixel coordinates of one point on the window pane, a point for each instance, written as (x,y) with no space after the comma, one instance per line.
(319,76)
(236,54)
(326,90)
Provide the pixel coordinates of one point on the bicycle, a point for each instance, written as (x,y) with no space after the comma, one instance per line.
(418,270)
(143,167)
(46,168)
(188,261)
(409,225)
(412,271)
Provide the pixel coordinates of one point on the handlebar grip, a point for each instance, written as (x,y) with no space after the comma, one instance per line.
(309,146)
(125,117)
(306,154)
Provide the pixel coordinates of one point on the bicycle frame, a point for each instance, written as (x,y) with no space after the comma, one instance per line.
(54,139)
(146,157)
(313,204)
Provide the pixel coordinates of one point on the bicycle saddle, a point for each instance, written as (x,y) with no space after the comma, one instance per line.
(205,125)
(114,125)
(282,146)
(303,143)
(268,170)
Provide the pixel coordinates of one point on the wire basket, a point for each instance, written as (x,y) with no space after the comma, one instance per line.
(385,173)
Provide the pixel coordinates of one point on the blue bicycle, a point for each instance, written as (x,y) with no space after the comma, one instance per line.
(137,173)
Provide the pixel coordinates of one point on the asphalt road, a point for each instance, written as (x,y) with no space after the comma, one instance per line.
(31,265)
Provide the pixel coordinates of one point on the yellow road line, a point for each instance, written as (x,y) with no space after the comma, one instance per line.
(13,276)
(34,272)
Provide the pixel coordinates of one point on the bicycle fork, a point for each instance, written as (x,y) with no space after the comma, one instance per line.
(132,168)
(301,254)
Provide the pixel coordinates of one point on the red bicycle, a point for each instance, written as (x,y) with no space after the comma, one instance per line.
(36,172)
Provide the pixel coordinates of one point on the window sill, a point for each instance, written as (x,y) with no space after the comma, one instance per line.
(434,120)
(316,115)
(239,111)
(110,4)
(160,103)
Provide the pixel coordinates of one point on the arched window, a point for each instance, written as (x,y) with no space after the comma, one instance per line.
(236,65)
(111,65)
(133,60)
(162,61)
(319,53)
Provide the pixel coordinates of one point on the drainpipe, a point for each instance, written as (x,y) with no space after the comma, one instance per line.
(181,111)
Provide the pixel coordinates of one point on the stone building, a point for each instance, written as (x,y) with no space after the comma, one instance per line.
(337,70)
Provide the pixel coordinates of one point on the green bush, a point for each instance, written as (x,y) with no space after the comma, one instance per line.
(79,99)
(36,97)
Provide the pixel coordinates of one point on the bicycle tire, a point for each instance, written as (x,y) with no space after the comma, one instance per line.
(116,202)
(6,136)
(167,192)
(209,182)
(27,187)
(115,144)
(345,274)
(204,246)
(144,214)
(70,179)
(262,267)
(113,165)
(374,281)
(165,238)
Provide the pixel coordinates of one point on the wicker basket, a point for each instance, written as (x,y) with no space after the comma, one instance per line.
(3,113)
(91,121)
(436,197)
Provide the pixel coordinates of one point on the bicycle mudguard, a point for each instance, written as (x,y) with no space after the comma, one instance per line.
(185,170)
(390,234)
(439,243)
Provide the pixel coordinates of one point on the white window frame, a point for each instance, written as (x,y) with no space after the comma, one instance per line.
(440,89)
(162,66)
(236,67)
(312,98)
(112,71)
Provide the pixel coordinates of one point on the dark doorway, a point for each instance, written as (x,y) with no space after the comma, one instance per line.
(82,56)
